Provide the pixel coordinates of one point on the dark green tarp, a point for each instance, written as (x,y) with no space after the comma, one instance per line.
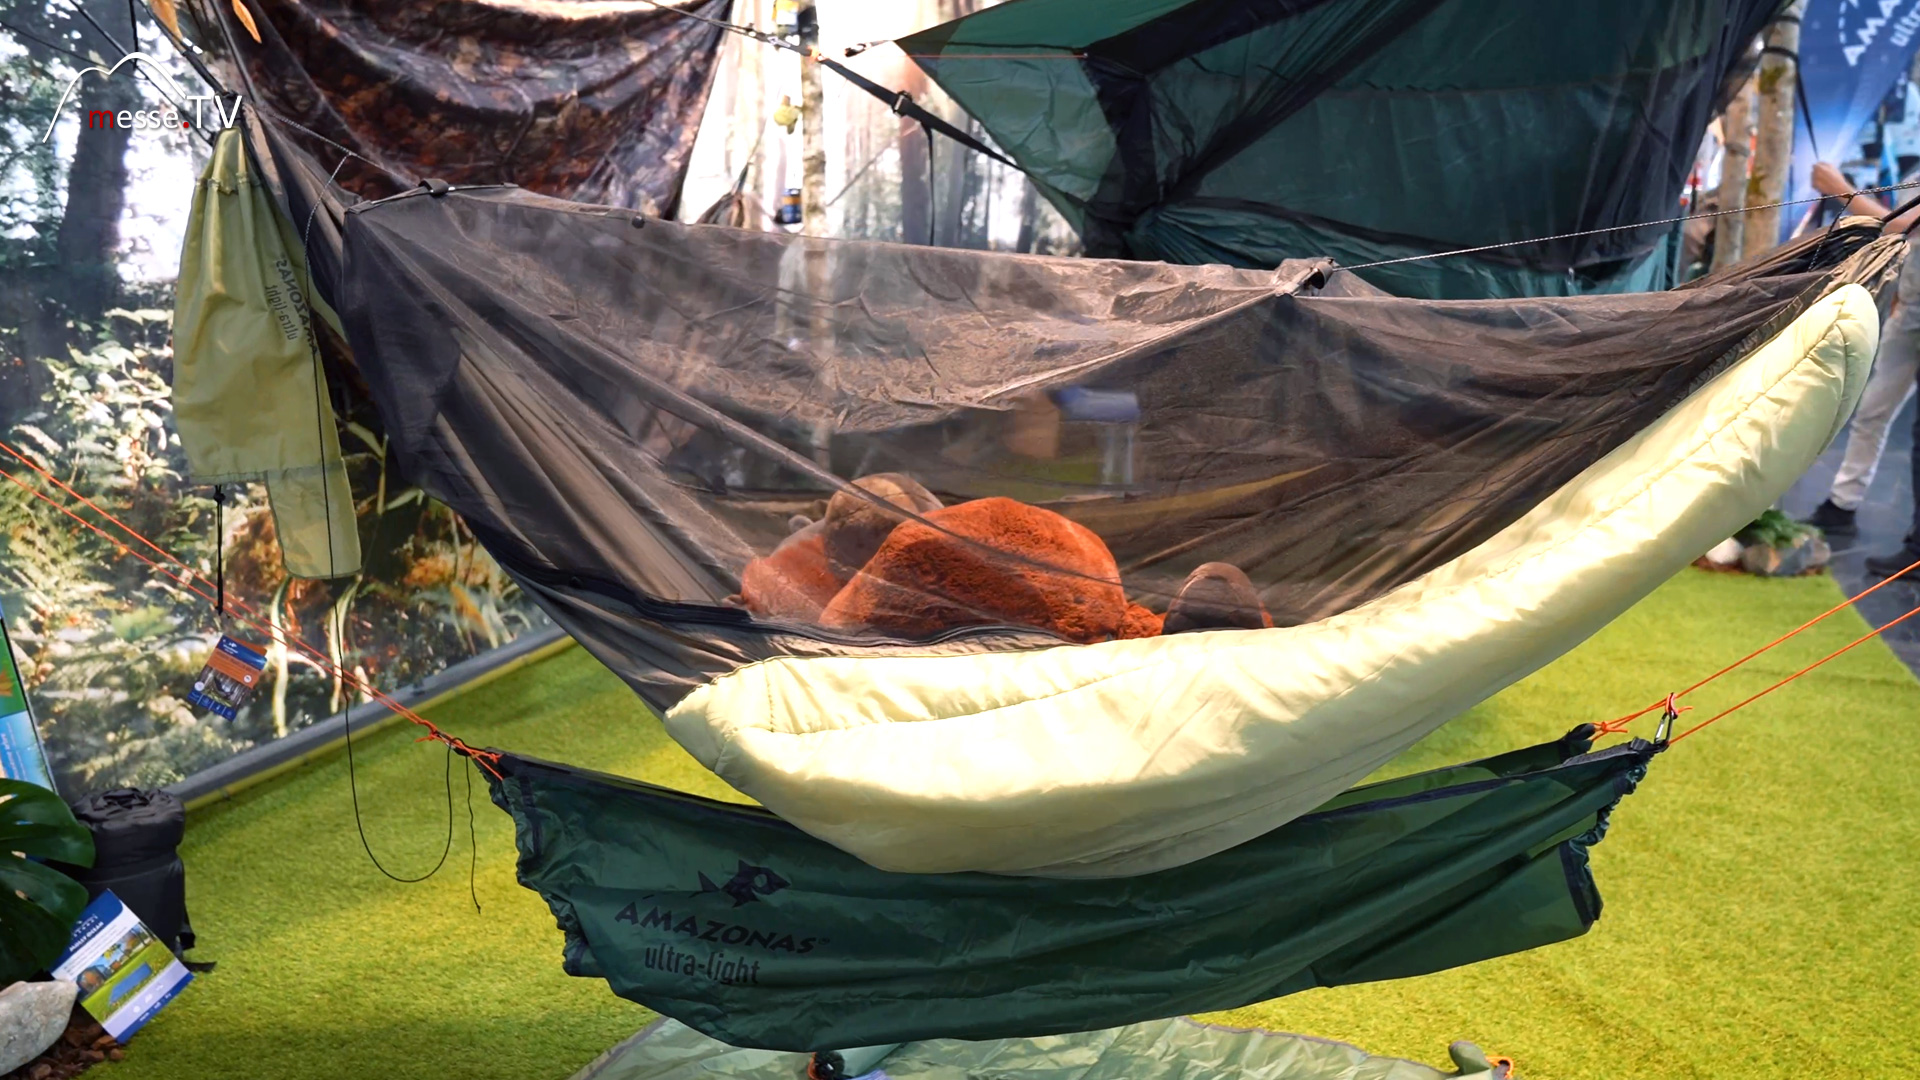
(739,925)
(1251,131)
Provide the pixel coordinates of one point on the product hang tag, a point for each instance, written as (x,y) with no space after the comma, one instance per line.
(232,674)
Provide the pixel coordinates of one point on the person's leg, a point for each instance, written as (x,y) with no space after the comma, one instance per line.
(1895,366)
(1913,530)
(1909,553)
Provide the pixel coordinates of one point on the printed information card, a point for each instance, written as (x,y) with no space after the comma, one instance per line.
(125,973)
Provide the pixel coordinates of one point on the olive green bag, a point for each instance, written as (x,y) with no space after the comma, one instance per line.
(248,396)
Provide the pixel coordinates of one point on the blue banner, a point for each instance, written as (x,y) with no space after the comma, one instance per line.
(21,755)
(1851,53)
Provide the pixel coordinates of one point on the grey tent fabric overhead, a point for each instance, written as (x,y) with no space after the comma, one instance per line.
(1246,133)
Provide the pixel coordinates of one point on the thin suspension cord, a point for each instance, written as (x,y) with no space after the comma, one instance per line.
(473,846)
(186,581)
(1618,725)
(1848,196)
(360,825)
(45,44)
(321,405)
(138,70)
(860,172)
(1836,654)
(760,36)
(453,744)
(266,113)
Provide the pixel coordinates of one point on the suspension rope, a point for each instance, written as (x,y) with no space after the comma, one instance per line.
(1849,196)
(1617,725)
(899,101)
(137,69)
(485,759)
(1834,655)
(186,579)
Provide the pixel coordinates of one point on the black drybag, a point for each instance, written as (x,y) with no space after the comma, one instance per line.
(136,844)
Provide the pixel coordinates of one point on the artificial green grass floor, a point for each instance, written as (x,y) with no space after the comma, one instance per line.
(1761,911)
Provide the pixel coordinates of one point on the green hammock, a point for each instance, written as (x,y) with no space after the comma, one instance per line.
(743,927)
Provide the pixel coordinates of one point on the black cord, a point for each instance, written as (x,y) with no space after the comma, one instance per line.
(44,43)
(220,552)
(137,69)
(1848,196)
(133,23)
(1806,110)
(353,786)
(319,383)
(933,202)
(473,838)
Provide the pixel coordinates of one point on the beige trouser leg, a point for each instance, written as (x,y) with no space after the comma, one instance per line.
(1895,369)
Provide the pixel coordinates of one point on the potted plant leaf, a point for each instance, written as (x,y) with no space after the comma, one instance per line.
(1775,545)
(38,907)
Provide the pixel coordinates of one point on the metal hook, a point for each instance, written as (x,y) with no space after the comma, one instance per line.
(1668,715)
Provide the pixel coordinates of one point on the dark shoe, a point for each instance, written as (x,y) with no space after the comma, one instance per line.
(1890,565)
(1832,520)
(1216,596)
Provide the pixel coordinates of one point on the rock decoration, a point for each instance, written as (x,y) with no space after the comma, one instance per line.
(1774,545)
(32,1016)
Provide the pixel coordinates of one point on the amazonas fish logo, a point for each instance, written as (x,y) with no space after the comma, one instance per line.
(747,885)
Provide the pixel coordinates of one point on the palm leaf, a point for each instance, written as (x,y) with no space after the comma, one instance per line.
(38,905)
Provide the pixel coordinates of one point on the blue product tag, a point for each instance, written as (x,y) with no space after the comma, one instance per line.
(232,674)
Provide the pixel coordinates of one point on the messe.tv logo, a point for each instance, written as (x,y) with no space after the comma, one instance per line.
(166,118)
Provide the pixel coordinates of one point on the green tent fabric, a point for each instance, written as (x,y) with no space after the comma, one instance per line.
(248,398)
(1172,1049)
(1246,132)
(732,921)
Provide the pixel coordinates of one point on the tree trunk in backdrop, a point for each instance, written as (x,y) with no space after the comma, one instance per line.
(1773,150)
(813,128)
(916,189)
(813,199)
(97,182)
(1736,127)
(1029,217)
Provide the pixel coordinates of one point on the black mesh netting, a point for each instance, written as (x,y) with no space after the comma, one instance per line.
(702,446)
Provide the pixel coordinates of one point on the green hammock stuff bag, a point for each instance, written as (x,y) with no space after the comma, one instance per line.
(745,928)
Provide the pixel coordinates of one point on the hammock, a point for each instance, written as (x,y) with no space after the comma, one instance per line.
(1427,500)
(741,926)
(1110,574)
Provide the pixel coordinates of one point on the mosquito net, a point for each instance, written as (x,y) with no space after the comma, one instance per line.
(704,447)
